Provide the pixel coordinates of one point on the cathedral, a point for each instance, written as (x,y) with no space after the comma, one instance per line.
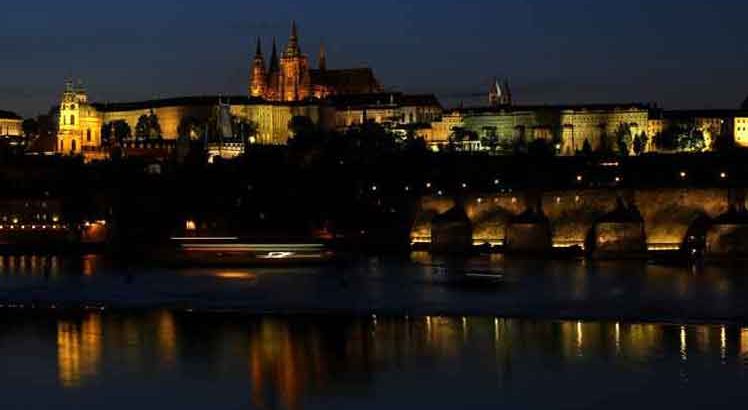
(289,78)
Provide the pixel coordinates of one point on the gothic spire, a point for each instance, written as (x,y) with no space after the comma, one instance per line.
(258,52)
(274,63)
(292,49)
(258,81)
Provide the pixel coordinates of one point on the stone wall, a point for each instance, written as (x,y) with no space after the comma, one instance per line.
(667,213)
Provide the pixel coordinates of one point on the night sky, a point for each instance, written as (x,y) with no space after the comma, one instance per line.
(679,53)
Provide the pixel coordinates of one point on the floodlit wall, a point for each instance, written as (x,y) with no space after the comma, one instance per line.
(668,213)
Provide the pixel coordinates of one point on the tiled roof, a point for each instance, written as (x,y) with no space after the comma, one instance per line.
(348,81)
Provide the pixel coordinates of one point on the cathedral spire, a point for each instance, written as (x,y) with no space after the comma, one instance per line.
(258,52)
(258,82)
(293,49)
(274,63)
(322,57)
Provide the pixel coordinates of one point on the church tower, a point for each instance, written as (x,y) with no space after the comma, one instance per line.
(79,126)
(258,83)
(69,133)
(295,76)
(500,95)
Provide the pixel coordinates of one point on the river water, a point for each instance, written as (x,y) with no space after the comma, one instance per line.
(375,334)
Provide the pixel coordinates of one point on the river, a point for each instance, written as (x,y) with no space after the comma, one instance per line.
(379,333)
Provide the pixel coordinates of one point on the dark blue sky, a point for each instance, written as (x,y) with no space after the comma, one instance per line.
(680,53)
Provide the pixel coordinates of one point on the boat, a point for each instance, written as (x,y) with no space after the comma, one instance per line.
(235,251)
(468,277)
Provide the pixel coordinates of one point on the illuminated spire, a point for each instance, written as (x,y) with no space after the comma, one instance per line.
(293,49)
(258,81)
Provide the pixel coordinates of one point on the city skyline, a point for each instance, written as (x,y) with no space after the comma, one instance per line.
(546,61)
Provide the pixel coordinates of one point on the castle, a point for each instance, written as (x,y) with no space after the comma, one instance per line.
(335,99)
(285,88)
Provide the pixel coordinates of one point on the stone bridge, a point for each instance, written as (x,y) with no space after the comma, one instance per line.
(668,215)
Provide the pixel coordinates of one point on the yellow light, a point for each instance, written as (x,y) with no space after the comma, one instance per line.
(579,178)
(190,226)
(683,174)
(723,175)
(236,275)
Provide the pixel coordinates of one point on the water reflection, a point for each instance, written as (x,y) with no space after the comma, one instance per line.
(288,363)
(78,350)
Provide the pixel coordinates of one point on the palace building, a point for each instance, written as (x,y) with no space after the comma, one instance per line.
(10,124)
(570,127)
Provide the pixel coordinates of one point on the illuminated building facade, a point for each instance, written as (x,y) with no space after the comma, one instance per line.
(711,123)
(10,124)
(390,109)
(289,77)
(568,126)
(81,123)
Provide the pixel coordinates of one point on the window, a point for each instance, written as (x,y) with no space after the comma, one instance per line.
(88,135)
(72,145)
(72,120)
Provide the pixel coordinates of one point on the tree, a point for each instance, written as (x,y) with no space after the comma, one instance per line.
(142,128)
(667,139)
(246,130)
(723,142)
(587,147)
(640,143)
(190,127)
(148,127)
(520,145)
(154,127)
(541,147)
(115,132)
(623,139)
(691,139)
(490,138)
(305,134)
(604,146)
